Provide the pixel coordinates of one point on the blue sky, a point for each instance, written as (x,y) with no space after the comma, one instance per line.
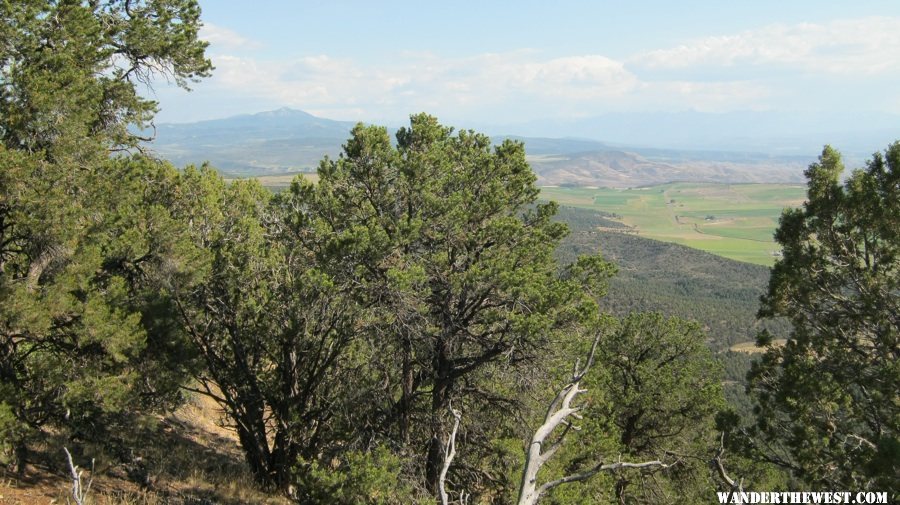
(496,63)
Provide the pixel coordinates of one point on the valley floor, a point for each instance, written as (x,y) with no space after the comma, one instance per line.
(735,221)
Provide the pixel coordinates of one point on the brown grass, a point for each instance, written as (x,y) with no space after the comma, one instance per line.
(191,457)
(750,347)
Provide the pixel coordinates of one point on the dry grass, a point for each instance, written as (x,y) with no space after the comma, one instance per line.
(750,347)
(282,181)
(190,458)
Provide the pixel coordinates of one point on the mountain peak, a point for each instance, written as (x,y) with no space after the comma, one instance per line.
(284,112)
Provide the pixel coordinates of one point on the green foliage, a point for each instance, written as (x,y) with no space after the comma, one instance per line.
(70,70)
(661,380)
(737,365)
(87,243)
(457,267)
(270,326)
(828,398)
(371,478)
(663,388)
(654,391)
(81,268)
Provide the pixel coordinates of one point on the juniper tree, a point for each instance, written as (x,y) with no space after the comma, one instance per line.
(828,403)
(72,70)
(454,257)
(270,326)
(85,240)
(83,332)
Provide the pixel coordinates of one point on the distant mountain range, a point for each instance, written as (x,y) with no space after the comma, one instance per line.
(289,140)
(857,135)
(273,142)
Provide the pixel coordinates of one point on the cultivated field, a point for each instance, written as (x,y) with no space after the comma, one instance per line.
(282,181)
(732,220)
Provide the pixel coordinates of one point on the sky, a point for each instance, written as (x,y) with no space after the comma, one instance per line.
(525,62)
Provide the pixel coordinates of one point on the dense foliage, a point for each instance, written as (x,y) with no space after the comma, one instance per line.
(83,327)
(653,393)
(71,69)
(86,241)
(460,275)
(829,404)
(393,333)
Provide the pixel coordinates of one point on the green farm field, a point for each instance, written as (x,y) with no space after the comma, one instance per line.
(732,220)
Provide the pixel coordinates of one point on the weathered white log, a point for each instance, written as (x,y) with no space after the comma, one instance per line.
(79,491)
(560,413)
(449,454)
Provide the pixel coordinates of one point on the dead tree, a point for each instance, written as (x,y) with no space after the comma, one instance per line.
(79,491)
(561,413)
(449,454)
(737,486)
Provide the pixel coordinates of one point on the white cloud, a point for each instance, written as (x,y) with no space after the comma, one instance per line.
(418,81)
(705,96)
(221,38)
(853,46)
(526,84)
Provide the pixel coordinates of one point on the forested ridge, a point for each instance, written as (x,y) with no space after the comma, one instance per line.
(416,326)
(722,294)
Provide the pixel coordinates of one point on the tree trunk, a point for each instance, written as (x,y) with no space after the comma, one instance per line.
(256,452)
(21,455)
(284,455)
(621,484)
(251,431)
(440,398)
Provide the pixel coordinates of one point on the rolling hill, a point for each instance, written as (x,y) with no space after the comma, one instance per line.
(288,140)
(274,142)
(722,294)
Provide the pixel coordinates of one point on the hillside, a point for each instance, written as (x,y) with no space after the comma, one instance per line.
(623,169)
(272,142)
(289,140)
(722,294)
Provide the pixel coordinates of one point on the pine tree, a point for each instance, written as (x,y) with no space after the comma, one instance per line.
(828,402)
(86,240)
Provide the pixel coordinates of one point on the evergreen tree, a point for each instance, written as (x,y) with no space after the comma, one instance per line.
(83,333)
(71,70)
(652,394)
(455,262)
(86,241)
(271,327)
(828,402)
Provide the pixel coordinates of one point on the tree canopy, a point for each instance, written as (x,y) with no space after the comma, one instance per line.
(454,264)
(87,241)
(388,333)
(828,403)
(72,70)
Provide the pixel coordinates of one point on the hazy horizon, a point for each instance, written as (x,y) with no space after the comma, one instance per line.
(530,68)
(757,132)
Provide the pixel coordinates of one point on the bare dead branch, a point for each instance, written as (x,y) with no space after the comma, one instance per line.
(449,454)
(79,491)
(610,467)
(736,486)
